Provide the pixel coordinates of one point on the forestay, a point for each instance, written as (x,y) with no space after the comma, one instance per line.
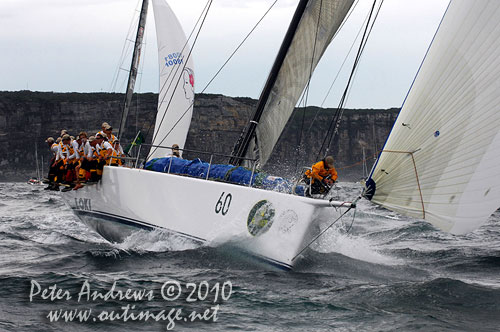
(176,93)
(441,161)
(319,23)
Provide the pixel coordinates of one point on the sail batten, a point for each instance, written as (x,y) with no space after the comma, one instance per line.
(451,119)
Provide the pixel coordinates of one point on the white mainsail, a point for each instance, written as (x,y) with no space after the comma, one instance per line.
(176,94)
(441,161)
(319,23)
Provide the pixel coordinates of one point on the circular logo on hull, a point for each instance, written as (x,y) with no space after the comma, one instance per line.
(287,220)
(260,218)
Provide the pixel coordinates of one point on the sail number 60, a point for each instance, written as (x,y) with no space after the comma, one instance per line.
(223,203)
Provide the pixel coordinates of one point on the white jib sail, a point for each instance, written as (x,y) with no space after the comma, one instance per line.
(176,94)
(441,161)
(308,46)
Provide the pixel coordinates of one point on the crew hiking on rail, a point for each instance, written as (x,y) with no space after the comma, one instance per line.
(81,160)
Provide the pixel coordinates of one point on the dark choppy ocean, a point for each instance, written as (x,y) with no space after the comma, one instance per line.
(388,273)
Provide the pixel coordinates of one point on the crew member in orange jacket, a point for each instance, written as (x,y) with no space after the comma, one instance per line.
(322,176)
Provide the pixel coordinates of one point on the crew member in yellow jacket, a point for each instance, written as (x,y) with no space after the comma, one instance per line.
(322,176)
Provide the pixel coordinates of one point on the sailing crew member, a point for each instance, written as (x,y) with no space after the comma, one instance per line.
(69,155)
(175,151)
(91,157)
(108,133)
(104,150)
(57,164)
(54,149)
(103,129)
(81,146)
(322,176)
(108,130)
(116,153)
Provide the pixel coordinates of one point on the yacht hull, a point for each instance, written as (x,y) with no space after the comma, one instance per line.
(269,225)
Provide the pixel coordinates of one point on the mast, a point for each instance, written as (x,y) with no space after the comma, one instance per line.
(36,160)
(241,147)
(134,66)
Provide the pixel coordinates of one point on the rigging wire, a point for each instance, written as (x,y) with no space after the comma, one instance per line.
(353,205)
(238,47)
(204,15)
(337,75)
(345,60)
(351,10)
(126,48)
(306,94)
(339,111)
(306,90)
(352,222)
(173,73)
(335,122)
(219,70)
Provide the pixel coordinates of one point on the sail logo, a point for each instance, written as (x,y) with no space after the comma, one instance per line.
(173,59)
(188,86)
(260,218)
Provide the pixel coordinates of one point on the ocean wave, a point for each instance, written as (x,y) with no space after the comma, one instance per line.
(156,241)
(359,247)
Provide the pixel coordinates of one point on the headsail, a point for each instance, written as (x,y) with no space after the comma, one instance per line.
(176,94)
(441,160)
(319,21)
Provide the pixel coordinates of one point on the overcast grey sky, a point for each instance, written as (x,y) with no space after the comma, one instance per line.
(75,45)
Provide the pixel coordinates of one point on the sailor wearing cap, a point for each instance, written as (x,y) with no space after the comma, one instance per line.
(63,148)
(108,131)
(116,153)
(104,149)
(112,139)
(103,129)
(90,164)
(68,155)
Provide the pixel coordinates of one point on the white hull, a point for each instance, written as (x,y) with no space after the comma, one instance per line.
(204,211)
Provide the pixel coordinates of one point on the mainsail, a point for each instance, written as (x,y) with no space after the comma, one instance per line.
(316,22)
(176,94)
(441,161)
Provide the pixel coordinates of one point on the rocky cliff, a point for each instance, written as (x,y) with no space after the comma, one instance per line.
(28,118)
